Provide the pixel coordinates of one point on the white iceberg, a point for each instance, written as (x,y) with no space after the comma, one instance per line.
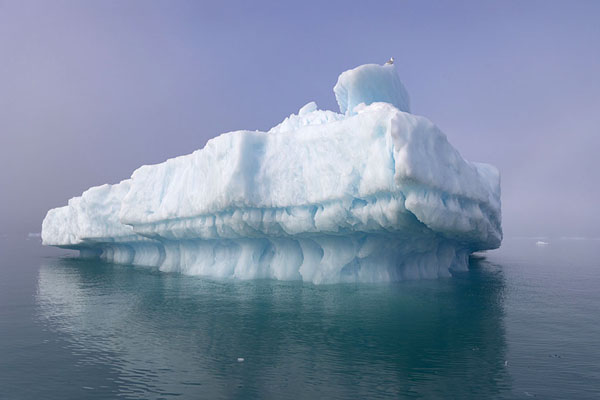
(372,194)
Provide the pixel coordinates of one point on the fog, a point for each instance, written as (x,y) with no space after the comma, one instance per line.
(89,91)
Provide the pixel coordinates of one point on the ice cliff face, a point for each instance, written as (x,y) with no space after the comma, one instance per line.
(373,194)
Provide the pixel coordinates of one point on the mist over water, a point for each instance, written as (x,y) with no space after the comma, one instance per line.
(93,90)
(520,323)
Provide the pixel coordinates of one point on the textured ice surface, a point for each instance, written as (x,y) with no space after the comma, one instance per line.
(368,84)
(372,194)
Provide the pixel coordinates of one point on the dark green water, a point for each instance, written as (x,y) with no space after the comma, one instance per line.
(524,322)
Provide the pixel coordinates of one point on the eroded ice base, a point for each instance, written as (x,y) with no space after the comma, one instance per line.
(317,259)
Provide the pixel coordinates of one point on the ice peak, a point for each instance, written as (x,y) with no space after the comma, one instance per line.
(368,84)
(308,108)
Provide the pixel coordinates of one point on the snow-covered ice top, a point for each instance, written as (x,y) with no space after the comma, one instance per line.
(374,193)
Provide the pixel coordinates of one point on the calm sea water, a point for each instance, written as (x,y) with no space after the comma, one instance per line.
(524,322)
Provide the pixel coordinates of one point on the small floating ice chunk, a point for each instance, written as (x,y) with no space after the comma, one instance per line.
(540,243)
(34,235)
(240,359)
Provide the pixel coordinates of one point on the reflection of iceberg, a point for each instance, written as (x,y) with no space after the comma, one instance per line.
(374,194)
(173,334)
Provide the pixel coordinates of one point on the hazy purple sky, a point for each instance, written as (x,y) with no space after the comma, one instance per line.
(91,90)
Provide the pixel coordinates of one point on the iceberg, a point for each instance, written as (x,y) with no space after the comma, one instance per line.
(373,193)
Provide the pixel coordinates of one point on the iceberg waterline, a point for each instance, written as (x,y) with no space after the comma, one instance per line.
(372,194)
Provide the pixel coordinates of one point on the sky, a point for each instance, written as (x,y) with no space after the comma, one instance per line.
(91,90)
